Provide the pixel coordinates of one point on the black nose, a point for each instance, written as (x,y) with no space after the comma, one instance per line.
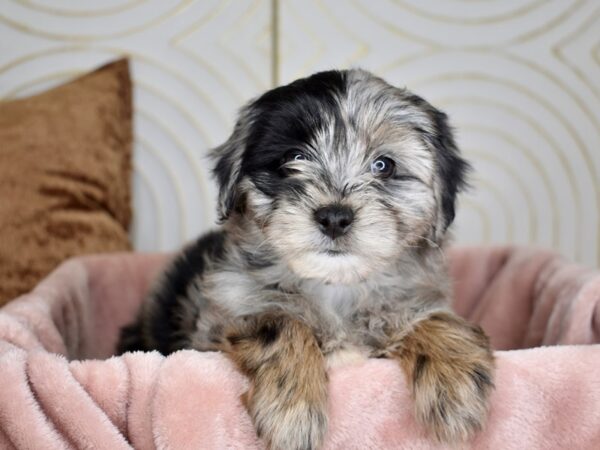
(334,220)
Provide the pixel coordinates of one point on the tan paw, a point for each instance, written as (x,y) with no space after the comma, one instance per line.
(451,397)
(290,426)
(451,369)
(288,397)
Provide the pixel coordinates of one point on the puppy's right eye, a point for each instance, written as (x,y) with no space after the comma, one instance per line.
(294,155)
(291,157)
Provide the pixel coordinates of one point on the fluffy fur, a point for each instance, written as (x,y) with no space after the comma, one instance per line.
(336,193)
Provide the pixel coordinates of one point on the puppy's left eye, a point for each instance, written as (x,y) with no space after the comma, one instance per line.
(383,167)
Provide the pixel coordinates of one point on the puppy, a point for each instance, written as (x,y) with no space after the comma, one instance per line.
(336,194)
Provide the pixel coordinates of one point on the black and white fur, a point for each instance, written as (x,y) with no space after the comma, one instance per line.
(361,292)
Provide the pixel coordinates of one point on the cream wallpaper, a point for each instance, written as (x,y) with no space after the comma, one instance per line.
(520,80)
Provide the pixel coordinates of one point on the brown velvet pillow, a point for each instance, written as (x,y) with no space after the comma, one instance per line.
(65,167)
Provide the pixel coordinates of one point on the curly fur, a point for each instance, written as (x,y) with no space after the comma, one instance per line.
(284,299)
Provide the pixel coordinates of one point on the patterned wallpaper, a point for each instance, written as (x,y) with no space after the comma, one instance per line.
(520,80)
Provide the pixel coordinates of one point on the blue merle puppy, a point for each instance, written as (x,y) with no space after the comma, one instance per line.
(336,194)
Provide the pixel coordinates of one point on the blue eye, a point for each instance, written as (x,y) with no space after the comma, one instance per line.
(290,157)
(382,167)
(294,155)
(299,157)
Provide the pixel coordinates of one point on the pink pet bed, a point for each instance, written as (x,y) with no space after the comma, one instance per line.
(61,389)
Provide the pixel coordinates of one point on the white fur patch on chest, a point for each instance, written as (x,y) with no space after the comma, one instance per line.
(333,299)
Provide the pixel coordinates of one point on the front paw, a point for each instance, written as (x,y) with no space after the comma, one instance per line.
(288,397)
(285,425)
(452,377)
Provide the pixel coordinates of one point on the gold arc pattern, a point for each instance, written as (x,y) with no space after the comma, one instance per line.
(481,154)
(552,144)
(247,70)
(522,10)
(485,220)
(557,50)
(83,13)
(496,193)
(363,48)
(90,37)
(184,148)
(148,147)
(558,115)
(520,39)
(177,42)
(502,165)
(146,181)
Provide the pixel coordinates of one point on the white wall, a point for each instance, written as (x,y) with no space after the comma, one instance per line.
(519,78)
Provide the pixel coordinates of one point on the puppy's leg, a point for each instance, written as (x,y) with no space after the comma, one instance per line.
(288,397)
(450,367)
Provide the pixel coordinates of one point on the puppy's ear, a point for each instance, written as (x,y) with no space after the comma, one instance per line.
(452,170)
(228,163)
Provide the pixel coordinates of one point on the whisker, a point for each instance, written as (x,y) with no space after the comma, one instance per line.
(430,242)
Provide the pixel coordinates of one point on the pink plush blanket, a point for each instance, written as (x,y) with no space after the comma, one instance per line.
(58,390)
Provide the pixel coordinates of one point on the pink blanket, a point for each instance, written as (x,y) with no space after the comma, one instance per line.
(58,390)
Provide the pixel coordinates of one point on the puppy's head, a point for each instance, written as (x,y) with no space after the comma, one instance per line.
(341,172)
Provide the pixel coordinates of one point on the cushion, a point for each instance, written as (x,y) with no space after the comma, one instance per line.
(60,388)
(65,167)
